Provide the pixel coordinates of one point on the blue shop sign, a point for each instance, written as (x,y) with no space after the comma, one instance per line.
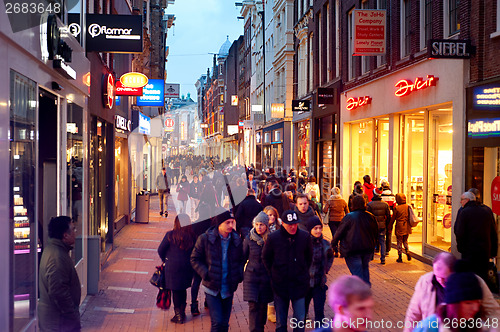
(153,94)
(144,124)
(486,97)
(483,128)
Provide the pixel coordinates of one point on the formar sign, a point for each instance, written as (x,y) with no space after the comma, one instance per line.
(114,33)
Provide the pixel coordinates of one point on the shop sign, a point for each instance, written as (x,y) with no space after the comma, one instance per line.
(325,96)
(118,100)
(241,124)
(56,49)
(355,102)
(122,123)
(114,33)
(86,79)
(301,105)
(487,97)
(277,111)
(144,124)
(448,49)
(169,124)
(495,195)
(232,129)
(134,80)
(405,87)
(483,128)
(172,90)
(108,95)
(71,128)
(369,32)
(152,94)
(234,100)
(122,90)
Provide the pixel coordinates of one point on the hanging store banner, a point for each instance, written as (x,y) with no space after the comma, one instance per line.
(153,94)
(369,32)
(325,96)
(301,105)
(172,90)
(122,90)
(114,33)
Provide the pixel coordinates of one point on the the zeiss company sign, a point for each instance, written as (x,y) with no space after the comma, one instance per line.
(153,94)
(114,33)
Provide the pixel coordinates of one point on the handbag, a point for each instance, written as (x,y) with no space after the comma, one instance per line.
(158,277)
(412,218)
(326,218)
(164,299)
(492,278)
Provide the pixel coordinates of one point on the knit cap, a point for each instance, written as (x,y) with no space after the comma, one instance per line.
(221,217)
(462,286)
(262,218)
(313,222)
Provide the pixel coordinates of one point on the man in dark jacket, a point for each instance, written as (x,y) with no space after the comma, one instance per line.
(287,256)
(382,213)
(248,209)
(476,233)
(60,290)
(303,210)
(277,199)
(163,190)
(357,234)
(218,258)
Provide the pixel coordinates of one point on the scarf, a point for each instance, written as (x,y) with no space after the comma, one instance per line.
(256,237)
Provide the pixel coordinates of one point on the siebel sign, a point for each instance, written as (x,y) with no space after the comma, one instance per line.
(446,48)
(114,33)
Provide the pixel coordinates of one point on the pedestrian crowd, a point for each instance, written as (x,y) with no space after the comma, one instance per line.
(266,231)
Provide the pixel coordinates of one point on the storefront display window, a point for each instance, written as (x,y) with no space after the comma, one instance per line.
(362,138)
(121,178)
(74,159)
(22,136)
(303,149)
(327,151)
(382,151)
(440,139)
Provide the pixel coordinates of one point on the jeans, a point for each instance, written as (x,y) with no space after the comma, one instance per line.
(381,243)
(162,193)
(334,225)
(220,312)
(318,294)
(195,287)
(281,306)
(388,239)
(182,207)
(257,316)
(402,242)
(179,299)
(358,266)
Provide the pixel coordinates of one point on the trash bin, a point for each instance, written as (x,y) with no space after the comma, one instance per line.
(142,207)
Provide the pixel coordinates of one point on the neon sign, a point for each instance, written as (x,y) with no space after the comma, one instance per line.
(483,128)
(109,91)
(355,102)
(405,87)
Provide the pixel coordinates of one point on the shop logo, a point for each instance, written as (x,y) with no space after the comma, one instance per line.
(74,29)
(355,102)
(134,80)
(405,87)
(109,91)
(484,128)
(301,105)
(111,33)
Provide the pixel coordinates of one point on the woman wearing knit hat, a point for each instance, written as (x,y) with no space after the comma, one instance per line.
(256,282)
(462,309)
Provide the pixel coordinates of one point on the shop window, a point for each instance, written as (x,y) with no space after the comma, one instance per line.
(440,139)
(362,138)
(405,27)
(303,150)
(381,59)
(23,107)
(326,162)
(453,17)
(74,160)
(382,156)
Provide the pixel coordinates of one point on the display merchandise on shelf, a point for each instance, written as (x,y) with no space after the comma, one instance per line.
(417,195)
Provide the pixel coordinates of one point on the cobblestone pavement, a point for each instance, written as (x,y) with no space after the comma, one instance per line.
(126,299)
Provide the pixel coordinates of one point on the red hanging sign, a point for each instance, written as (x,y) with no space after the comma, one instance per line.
(355,102)
(405,87)
(109,91)
(495,195)
(122,90)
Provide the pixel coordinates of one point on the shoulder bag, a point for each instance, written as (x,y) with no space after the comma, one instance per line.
(412,218)
(158,277)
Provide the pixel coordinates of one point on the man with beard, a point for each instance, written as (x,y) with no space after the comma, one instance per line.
(303,210)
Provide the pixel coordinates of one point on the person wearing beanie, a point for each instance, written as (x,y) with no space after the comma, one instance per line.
(382,213)
(322,260)
(256,283)
(336,207)
(462,303)
(287,256)
(358,233)
(218,258)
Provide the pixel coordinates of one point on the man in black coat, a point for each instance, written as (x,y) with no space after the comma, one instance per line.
(304,210)
(248,209)
(382,213)
(476,233)
(277,199)
(357,233)
(287,256)
(218,258)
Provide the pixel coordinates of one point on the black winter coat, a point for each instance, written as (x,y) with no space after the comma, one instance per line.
(278,200)
(381,211)
(256,281)
(178,270)
(206,259)
(476,232)
(357,233)
(287,260)
(247,210)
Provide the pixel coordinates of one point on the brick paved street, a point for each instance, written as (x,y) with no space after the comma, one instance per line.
(126,300)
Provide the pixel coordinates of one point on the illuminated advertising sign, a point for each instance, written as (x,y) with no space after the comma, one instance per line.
(144,124)
(122,90)
(152,94)
(114,33)
(483,128)
(486,97)
(301,105)
(355,102)
(134,80)
(234,100)
(369,32)
(448,49)
(108,95)
(405,87)
(169,124)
